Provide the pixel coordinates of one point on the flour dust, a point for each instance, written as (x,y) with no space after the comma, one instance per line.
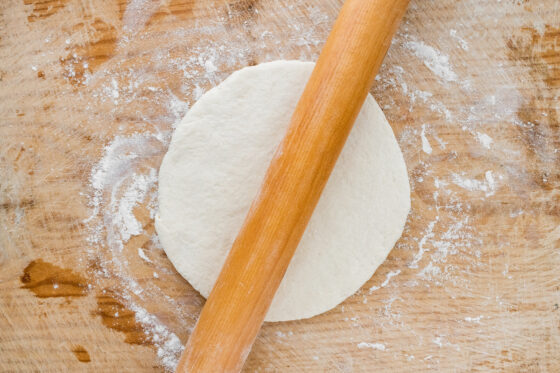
(124,180)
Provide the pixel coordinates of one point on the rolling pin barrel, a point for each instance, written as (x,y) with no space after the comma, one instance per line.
(261,253)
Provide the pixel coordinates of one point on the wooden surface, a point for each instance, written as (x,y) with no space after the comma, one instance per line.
(89,93)
(261,253)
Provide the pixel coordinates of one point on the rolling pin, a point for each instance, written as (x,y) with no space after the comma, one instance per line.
(322,120)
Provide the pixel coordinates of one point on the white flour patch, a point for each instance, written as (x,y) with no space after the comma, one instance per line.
(142,255)
(137,13)
(430,272)
(434,60)
(427,235)
(209,65)
(440,141)
(426,147)
(386,282)
(373,346)
(134,194)
(168,345)
(484,139)
(462,43)
(474,319)
(177,108)
(455,235)
(439,107)
(121,181)
(488,185)
(441,341)
(421,95)
(112,174)
(19,215)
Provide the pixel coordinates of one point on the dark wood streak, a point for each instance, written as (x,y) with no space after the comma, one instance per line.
(44,9)
(47,280)
(21,204)
(242,8)
(81,354)
(182,9)
(116,316)
(539,129)
(87,58)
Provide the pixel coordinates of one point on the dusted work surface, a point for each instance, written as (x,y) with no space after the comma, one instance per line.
(89,95)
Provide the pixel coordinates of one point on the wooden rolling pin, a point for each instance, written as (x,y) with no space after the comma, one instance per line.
(323,118)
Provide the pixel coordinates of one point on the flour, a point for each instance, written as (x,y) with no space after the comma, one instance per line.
(169,346)
(422,95)
(117,190)
(474,319)
(386,282)
(374,346)
(426,147)
(431,272)
(434,60)
(142,255)
(440,341)
(484,139)
(123,180)
(110,173)
(488,185)
(464,45)
(427,235)
(136,14)
(166,84)
(134,194)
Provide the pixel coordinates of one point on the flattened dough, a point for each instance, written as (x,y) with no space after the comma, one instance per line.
(215,165)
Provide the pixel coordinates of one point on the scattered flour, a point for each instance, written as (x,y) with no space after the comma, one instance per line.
(464,45)
(430,272)
(484,139)
(386,282)
(168,345)
(422,95)
(122,181)
(434,60)
(111,174)
(142,255)
(474,319)
(137,13)
(426,147)
(373,346)
(134,194)
(427,235)
(488,185)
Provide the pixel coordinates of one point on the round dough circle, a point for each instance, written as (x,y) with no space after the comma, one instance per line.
(217,159)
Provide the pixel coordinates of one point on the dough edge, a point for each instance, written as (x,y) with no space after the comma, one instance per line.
(166,237)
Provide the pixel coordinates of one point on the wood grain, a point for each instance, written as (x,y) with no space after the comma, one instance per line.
(478,287)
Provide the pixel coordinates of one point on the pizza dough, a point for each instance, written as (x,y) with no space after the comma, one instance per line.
(216,162)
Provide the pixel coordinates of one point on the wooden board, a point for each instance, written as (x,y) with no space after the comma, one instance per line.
(89,94)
